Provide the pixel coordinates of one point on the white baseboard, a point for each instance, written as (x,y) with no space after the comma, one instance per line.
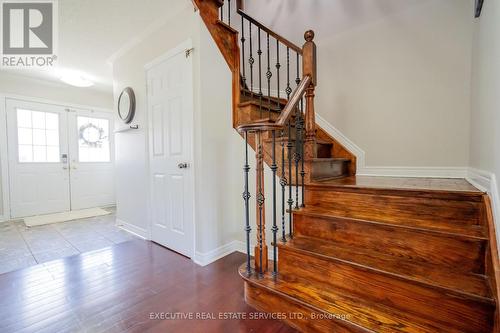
(205,258)
(140,232)
(486,181)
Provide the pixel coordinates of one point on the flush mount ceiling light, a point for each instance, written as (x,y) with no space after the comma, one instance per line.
(76,80)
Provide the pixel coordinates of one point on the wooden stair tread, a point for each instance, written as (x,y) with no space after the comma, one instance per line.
(364,315)
(460,230)
(465,285)
(405,184)
(265,106)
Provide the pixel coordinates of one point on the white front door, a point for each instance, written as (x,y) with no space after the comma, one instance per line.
(38,158)
(91,158)
(170,104)
(60,159)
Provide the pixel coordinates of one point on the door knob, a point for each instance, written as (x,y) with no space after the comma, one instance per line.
(183,165)
(65,168)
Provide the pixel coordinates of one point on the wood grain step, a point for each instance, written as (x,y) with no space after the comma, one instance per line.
(418,289)
(460,231)
(438,188)
(338,312)
(462,254)
(397,206)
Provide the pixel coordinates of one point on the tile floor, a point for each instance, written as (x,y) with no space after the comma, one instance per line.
(21,246)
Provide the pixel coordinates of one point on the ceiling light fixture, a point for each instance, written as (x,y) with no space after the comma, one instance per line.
(76,80)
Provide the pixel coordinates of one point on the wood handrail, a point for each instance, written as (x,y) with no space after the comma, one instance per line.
(294,100)
(270,32)
(285,115)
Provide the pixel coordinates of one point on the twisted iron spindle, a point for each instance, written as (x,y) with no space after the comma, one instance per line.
(298,128)
(260,202)
(278,66)
(243,77)
(283,185)
(269,75)
(251,60)
(302,140)
(288,89)
(246,198)
(290,199)
(229,11)
(274,229)
(259,53)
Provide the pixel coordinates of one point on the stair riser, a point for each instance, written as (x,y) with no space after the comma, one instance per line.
(327,169)
(397,209)
(467,315)
(464,255)
(297,314)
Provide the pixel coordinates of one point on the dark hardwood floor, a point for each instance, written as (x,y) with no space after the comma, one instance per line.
(128,288)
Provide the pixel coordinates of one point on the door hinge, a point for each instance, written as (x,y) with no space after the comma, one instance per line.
(189,51)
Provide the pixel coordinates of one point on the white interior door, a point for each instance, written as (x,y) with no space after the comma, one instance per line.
(170,104)
(91,156)
(38,168)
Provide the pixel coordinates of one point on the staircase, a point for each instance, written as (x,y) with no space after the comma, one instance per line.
(349,253)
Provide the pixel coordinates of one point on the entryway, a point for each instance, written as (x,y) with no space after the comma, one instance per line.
(170,113)
(60,159)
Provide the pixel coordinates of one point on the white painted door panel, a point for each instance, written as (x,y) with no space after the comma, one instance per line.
(39,179)
(91,158)
(170,103)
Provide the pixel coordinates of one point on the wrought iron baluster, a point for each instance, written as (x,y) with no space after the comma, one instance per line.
(269,75)
(290,198)
(262,257)
(229,11)
(289,145)
(274,168)
(288,88)
(251,60)
(246,198)
(278,66)
(222,12)
(298,140)
(283,185)
(259,53)
(302,140)
(243,78)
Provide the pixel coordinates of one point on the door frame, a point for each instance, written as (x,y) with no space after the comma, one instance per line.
(4,151)
(182,47)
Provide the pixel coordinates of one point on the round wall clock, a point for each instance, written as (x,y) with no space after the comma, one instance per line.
(126,105)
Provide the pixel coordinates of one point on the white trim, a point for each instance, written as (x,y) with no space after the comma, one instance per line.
(393,171)
(343,140)
(205,258)
(4,161)
(486,181)
(133,229)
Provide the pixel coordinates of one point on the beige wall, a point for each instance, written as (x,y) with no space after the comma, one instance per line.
(218,180)
(485,120)
(396,84)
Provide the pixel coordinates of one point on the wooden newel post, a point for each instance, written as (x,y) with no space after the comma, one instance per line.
(309,68)
(261,246)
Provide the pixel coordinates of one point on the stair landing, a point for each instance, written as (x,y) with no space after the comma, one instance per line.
(403,183)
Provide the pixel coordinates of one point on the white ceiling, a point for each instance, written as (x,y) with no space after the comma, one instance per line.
(92,31)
